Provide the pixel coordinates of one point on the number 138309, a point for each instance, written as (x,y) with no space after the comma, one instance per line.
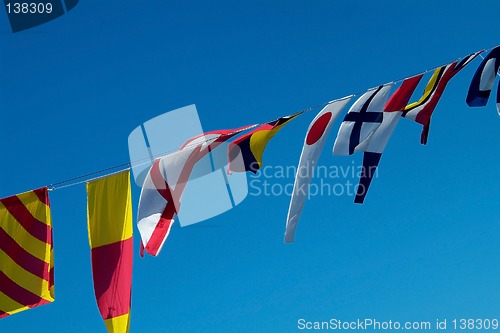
(28,8)
(475,324)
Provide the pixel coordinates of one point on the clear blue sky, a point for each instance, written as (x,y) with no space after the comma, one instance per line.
(424,246)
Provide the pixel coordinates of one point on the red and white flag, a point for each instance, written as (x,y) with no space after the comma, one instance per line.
(315,139)
(161,193)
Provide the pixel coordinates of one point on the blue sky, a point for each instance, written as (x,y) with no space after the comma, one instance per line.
(424,246)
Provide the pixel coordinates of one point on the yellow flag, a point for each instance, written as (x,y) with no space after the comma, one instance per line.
(109,211)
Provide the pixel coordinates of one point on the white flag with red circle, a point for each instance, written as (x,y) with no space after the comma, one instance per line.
(314,141)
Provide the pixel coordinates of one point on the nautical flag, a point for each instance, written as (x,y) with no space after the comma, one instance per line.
(26,253)
(252,145)
(363,118)
(315,139)
(482,82)
(373,152)
(498,100)
(109,214)
(164,185)
(421,111)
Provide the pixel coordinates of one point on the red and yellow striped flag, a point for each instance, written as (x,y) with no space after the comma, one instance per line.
(26,254)
(109,211)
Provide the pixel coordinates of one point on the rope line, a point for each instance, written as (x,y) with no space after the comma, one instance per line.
(126,166)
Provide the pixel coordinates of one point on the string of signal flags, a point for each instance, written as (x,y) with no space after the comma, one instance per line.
(26,246)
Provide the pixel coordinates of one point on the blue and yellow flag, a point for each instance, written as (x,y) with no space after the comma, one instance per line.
(252,145)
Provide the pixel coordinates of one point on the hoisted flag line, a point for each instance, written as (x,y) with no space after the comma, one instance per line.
(125,166)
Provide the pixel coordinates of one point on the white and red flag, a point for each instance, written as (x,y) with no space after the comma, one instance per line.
(315,139)
(161,193)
